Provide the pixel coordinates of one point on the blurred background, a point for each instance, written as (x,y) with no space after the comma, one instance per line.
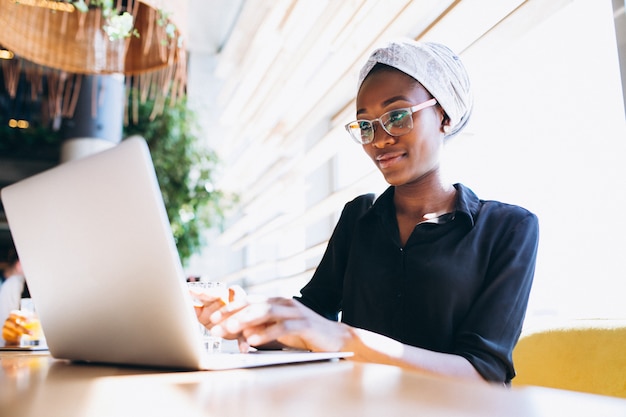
(273,83)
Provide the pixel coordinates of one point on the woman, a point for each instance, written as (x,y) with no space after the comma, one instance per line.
(12,290)
(14,287)
(427,277)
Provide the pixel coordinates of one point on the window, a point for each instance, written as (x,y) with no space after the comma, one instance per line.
(548,133)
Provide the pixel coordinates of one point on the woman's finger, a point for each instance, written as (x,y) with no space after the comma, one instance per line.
(14,328)
(244,346)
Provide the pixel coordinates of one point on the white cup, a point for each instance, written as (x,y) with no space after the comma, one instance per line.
(36,338)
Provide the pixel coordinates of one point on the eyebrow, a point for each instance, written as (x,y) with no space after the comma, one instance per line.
(387,102)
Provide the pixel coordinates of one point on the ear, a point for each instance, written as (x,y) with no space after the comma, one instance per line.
(445,124)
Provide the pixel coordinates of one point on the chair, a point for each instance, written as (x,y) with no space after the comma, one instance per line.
(581,355)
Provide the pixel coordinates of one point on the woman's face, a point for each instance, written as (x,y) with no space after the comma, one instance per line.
(408,158)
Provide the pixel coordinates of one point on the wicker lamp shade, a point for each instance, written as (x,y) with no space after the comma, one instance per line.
(53,39)
(73,41)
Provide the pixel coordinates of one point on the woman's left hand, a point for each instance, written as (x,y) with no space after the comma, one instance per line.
(14,327)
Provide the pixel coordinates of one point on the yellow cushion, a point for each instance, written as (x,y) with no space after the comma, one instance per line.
(583,355)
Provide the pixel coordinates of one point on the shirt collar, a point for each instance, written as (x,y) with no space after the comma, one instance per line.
(466,206)
(467,203)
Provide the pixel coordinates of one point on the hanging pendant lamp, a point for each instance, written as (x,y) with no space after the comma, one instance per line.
(54,39)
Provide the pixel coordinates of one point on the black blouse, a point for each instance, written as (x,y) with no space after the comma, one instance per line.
(460,285)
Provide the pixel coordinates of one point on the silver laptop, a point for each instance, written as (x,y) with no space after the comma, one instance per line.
(102,267)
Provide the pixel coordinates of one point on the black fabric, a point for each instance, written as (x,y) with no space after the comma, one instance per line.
(25,291)
(460,285)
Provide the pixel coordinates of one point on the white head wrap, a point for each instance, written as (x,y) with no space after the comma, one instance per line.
(437,68)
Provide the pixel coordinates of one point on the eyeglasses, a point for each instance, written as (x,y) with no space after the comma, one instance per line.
(395,122)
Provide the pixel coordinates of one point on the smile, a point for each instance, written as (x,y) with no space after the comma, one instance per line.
(388,159)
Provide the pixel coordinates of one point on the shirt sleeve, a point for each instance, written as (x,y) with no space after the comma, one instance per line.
(324,292)
(490,331)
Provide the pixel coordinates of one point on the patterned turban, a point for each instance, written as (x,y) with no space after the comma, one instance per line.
(434,66)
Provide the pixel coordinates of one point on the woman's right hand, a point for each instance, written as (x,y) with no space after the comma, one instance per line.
(14,327)
(208,304)
(278,322)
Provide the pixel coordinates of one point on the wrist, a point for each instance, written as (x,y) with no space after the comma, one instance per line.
(368,346)
(350,339)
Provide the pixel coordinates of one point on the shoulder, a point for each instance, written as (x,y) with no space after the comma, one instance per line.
(11,288)
(364,200)
(506,214)
(508,226)
(494,208)
(480,210)
(358,206)
(352,212)
(13,282)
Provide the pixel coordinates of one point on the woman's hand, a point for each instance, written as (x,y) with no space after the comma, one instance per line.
(258,321)
(207,303)
(262,321)
(14,327)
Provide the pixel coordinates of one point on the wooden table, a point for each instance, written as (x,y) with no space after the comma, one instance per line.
(34,384)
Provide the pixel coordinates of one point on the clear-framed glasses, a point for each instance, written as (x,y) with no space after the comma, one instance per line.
(395,122)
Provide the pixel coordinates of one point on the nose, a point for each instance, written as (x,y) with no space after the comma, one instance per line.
(382,138)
